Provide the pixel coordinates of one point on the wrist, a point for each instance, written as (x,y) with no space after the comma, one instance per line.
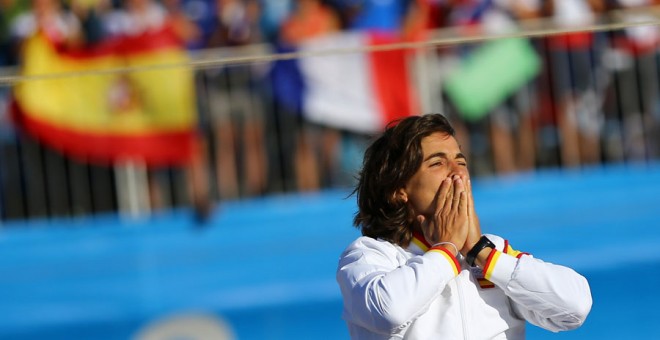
(482,257)
(469,244)
(448,246)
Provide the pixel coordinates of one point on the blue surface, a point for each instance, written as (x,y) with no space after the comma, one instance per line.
(267,266)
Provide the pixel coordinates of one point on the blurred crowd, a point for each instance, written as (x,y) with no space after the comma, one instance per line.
(199,23)
(213,23)
(595,98)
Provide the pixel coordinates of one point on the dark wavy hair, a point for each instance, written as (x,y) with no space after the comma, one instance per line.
(389,162)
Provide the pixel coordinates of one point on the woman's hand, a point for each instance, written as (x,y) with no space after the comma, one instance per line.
(450,219)
(474,229)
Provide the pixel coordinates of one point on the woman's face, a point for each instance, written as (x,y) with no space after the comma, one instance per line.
(442,158)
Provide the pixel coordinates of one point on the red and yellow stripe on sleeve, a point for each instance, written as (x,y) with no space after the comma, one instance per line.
(495,254)
(419,240)
(490,263)
(450,257)
(510,251)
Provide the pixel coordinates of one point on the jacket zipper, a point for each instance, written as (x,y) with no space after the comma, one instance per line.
(459,289)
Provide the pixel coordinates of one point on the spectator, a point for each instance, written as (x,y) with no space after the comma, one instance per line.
(136,17)
(49,18)
(185,28)
(377,15)
(90,14)
(273,14)
(512,134)
(634,129)
(310,19)
(409,18)
(236,113)
(573,66)
(9,11)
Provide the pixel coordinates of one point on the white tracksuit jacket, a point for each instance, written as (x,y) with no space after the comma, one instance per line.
(391,293)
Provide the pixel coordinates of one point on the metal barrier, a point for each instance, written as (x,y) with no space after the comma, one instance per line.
(592,106)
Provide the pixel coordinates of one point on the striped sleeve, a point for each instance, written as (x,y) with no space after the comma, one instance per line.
(547,295)
(451,259)
(383,294)
(509,250)
(500,264)
(419,241)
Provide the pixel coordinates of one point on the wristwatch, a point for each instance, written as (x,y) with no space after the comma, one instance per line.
(472,254)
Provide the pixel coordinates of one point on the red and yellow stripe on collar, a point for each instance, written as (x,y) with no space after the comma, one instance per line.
(421,242)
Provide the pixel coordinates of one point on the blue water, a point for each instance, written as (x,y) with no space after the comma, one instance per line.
(266,266)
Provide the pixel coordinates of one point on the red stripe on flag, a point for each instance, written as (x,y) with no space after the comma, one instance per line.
(391,80)
(151,41)
(155,148)
(147,42)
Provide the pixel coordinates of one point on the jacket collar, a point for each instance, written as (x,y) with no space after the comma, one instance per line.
(418,244)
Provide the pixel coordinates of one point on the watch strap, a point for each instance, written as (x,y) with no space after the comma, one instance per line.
(478,247)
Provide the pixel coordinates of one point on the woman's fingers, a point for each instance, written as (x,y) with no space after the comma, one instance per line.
(459,188)
(463,204)
(449,221)
(444,196)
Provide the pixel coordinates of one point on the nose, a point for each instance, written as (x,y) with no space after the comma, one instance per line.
(460,170)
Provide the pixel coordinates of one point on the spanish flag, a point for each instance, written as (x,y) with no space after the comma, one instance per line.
(73,106)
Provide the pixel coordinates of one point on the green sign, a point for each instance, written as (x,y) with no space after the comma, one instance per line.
(491,73)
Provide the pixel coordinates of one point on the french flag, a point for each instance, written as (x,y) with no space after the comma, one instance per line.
(355,91)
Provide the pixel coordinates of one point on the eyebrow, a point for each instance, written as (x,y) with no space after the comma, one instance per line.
(444,155)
